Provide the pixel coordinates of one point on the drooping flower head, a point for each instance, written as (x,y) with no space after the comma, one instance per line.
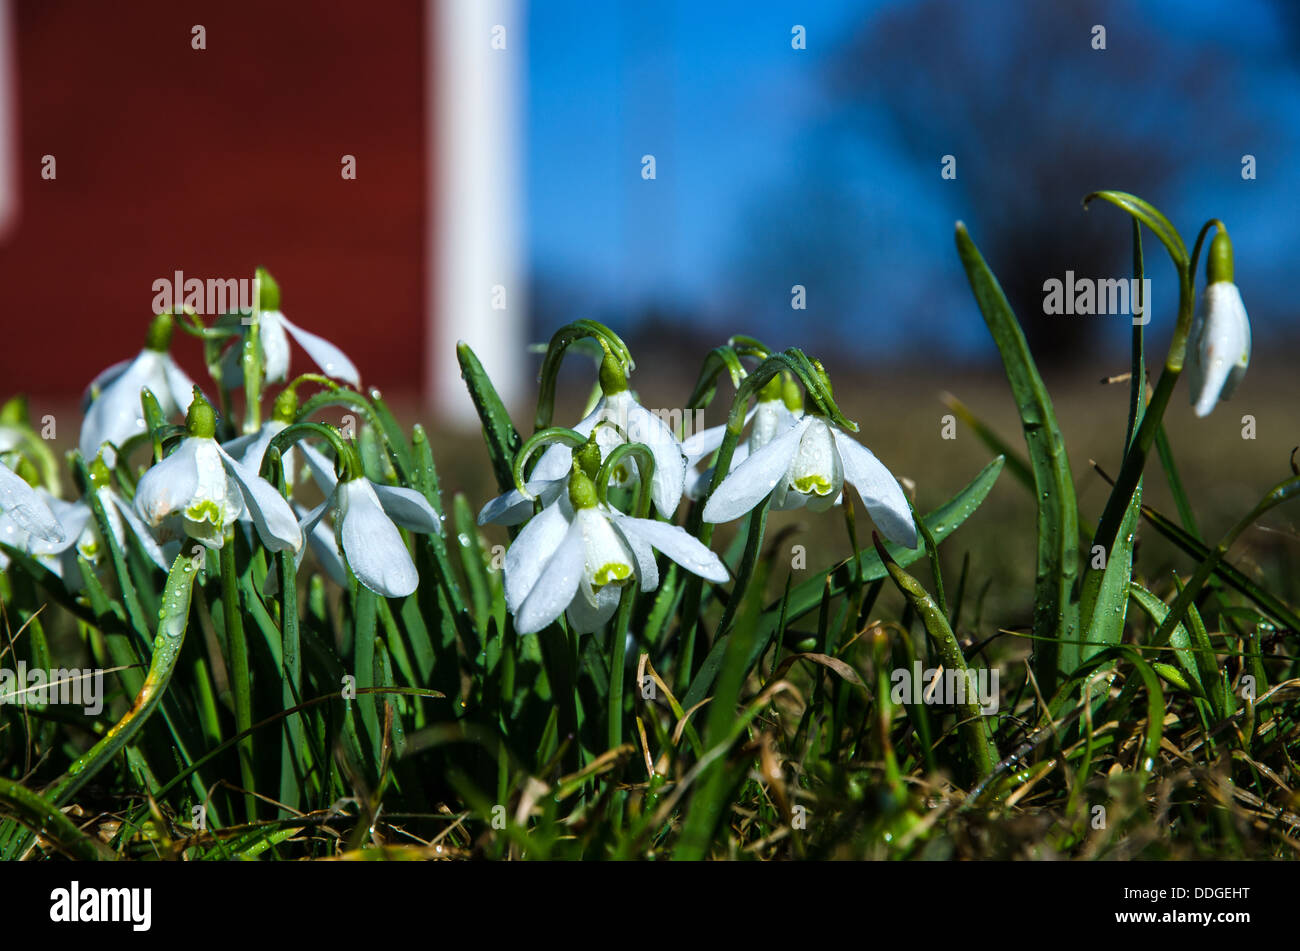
(200,490)
(616,419)
(1219,342)
(807,464)
(577,555)
(778,408)
(366,517)
(113,412)
(274,331)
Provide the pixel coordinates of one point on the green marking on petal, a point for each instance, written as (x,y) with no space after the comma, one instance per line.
(613,573)
(817,484)
(204,510)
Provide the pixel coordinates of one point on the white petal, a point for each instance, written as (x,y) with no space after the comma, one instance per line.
(751,481)
(117,416)
(332,361)
(232,365)
(679,545)
(148,544)
(254,451)
(322,469)
(101,382)
(321,540)
(555,586)
(816,470)
(271,514)
(697,483)
(238,447)
(72,519)
(275,346)
(698,446)
(408,508)
(27,510)
(169,485)
(531,550)
(880,491)
(608,558)
(512,507)
(585,617)
(1220,345)
(557,458)
(371,543)
(645,427)
(647,570)
(771,419)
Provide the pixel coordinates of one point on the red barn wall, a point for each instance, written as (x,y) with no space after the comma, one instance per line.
(212,162)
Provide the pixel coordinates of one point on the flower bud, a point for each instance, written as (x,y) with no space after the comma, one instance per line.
(159,337)
(201,420)
(268,297)
(582,491)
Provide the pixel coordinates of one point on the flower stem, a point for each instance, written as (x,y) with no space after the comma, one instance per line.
(239,684)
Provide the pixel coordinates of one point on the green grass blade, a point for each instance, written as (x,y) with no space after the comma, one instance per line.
(503,441)
(1055,612)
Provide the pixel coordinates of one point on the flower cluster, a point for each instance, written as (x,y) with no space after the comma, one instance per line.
(206,480)
(578,553)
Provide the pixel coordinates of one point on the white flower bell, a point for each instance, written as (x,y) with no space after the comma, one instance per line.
(576,556)
(366,517)
(1219,342)
(200,490)
(616,419)
(808,464)
(113,412)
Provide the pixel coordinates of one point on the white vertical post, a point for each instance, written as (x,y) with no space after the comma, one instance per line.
(475,292)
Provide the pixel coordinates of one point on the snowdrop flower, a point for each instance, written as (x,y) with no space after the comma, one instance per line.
(25,510)
(577,555)
(808,464)
(776,411)
(114,414)
(616,419)
(200,490)
(274,330)
(366,517)
(1219,344)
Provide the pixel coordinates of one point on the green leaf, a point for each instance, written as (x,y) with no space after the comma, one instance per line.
(1055,612)
(1179,639)
(503,441)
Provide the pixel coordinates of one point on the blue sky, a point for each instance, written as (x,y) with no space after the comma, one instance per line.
(752,151)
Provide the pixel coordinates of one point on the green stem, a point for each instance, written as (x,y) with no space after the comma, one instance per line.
(239,680)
